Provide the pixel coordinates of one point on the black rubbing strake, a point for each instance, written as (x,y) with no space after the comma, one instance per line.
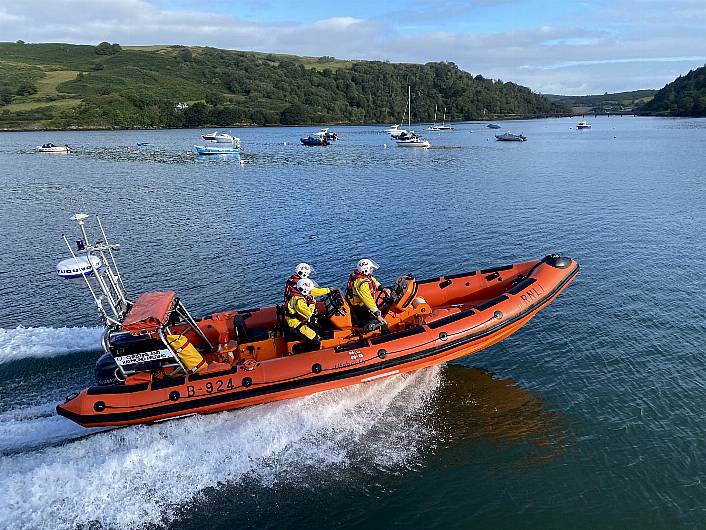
(491,303)
(399,335)
(198,377)
(451,318)
(116,389)
(363,343)
(167,382)
(522,286)
(430,280)
(496,269)
(462,275)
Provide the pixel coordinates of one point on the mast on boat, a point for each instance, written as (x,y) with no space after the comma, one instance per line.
(409,105)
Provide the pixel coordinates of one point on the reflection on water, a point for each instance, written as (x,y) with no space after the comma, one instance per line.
(473,405)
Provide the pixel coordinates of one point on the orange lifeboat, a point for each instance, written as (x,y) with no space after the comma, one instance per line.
(248,359)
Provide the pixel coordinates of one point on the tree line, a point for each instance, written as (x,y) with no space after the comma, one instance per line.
(685,96)
(123,87)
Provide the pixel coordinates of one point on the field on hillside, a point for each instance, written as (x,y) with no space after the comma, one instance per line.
(109,86)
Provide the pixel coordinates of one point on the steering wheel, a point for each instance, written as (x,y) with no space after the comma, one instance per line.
(333,303)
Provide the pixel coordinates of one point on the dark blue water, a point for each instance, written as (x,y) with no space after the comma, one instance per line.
(591,416)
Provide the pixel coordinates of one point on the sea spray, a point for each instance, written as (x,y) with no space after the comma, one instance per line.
(93,479)
(42,342)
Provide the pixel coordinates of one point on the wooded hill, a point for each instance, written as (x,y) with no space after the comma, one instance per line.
(64,85)
(604,103)
(685,96)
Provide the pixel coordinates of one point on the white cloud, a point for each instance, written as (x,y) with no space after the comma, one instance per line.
(622,45)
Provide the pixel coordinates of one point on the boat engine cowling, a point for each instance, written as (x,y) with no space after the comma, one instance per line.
(107,371)
(136,352)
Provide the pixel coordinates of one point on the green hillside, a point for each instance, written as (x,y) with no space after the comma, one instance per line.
(685,96)
(64,85)
(605,103)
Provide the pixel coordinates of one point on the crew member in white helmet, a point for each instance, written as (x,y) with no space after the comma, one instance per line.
(361,292)
(301,271)
(300,307)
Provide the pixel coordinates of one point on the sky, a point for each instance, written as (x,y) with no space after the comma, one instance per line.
(569,47)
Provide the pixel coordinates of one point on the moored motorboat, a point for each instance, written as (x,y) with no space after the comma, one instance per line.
(493,126)
(509,137)
(411,139)
(583,125)
(329,135)
(218,137)
(393,129)
(51,148)
(247,358)
(314,139)
(396,132)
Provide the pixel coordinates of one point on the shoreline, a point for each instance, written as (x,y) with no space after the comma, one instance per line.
(255,126)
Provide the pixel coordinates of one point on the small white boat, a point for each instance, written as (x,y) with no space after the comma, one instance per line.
(316,139)
(441,127)
(509,137)
(583,125)
(397,132)
(410,138)
(51,148)
(414,142)
(218,137)
(330,136)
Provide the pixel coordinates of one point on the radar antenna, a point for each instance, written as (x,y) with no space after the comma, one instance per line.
(95,263)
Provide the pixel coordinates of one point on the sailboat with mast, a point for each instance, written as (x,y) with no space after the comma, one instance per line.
(410,138)
(394,130)
(442,126)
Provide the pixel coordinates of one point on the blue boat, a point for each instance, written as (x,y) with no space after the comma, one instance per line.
(142,144)
(214,150)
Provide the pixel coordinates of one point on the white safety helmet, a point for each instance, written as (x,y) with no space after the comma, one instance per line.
(367,266)
(305,285)
(303,270)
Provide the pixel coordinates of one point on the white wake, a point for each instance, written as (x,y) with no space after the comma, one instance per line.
(41,342)
(129,477)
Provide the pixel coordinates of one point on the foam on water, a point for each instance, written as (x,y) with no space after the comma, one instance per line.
(41,342)
(30,428)
(130,477)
